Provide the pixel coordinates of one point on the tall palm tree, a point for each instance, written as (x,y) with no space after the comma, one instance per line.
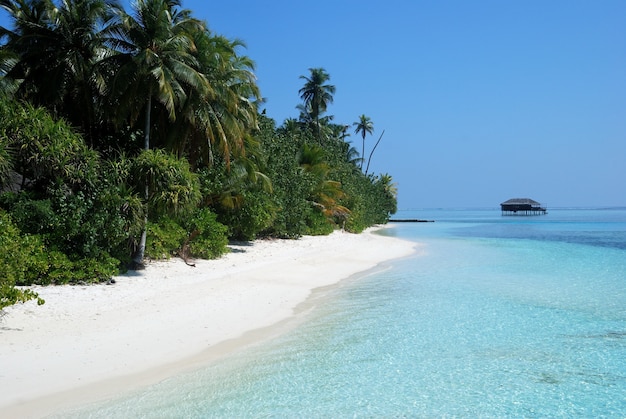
(158,68)
(316,95)
(364,126)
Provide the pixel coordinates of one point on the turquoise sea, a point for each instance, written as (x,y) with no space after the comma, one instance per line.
(494,316)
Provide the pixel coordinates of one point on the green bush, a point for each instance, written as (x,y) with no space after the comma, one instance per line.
(59,269)
(82,224)
(318,224)
(34,216)
(9,295)
(76,203)
(46,149)
(291,188)
(240,196)
(172,187)
(25,259)
(14,253)
(5,163)
(199,235)
(164,238)
(206,236)
(256,213)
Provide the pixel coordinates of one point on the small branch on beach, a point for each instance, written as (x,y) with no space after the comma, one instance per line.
(184,250)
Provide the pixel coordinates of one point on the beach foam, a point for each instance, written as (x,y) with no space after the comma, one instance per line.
(92,342)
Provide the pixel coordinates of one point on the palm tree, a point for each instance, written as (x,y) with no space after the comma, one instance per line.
(364,126)
(324,193)
(50,55)
(351,155)
(52,51)
(158,65)
(27,52)
(316,95)
(158,62)
(219,119)
(390,190)
(85,27)
(291,126)
(388,185)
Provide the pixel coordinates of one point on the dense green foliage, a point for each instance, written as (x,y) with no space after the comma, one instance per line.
(124,136)
(16,253)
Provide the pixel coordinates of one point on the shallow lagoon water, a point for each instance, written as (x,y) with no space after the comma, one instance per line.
(493,317)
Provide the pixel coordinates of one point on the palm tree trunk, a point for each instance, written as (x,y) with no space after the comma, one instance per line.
(363,158)
(146,129)
(317,125)
(141,250)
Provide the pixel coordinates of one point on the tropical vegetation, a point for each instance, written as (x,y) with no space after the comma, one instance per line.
(127,136)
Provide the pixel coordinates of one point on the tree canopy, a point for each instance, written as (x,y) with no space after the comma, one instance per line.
(139,131)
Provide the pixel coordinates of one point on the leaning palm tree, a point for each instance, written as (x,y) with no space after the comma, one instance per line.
(316,95)
(158,68)
(364,126)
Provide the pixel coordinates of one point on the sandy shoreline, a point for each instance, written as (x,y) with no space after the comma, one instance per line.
(92,342)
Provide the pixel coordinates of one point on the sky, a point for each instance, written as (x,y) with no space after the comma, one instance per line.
(479,101)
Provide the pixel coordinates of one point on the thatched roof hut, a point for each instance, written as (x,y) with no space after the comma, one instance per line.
(522,206)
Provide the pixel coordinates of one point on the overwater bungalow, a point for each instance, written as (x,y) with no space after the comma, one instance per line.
(522,206)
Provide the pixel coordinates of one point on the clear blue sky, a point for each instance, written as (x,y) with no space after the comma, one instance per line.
(481,101)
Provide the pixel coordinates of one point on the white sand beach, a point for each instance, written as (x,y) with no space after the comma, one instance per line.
(93,342)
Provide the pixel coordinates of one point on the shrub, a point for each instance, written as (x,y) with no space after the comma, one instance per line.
(46,149)
(26,259)
(164,238)
(199,235)
(14,252)
(77,204)
(206,236)
(318,224)
(5,164)
(31,215)
(9,295)
(256,214)
(173,188)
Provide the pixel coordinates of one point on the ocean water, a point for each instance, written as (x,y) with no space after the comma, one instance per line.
(493,317)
